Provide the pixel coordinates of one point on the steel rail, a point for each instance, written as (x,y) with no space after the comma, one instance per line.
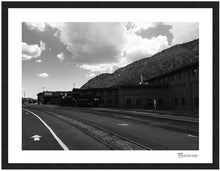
(99,128)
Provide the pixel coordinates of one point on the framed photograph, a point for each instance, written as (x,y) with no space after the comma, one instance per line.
(110,85)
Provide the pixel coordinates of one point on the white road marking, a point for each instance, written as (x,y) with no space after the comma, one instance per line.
(36,137)
(123,124)
(51,131)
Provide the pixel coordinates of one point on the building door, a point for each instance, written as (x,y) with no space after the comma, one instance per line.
(128,103)
(150,104)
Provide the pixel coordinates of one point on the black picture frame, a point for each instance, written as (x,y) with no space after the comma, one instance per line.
(8,5)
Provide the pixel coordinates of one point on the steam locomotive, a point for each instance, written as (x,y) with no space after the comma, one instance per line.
(81,100)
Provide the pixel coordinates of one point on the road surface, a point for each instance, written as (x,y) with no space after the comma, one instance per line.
(48,127)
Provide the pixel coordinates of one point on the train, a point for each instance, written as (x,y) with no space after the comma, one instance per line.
(81,100)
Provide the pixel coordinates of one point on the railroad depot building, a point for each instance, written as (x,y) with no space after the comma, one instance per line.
(183,87)
(176,90)
(144,96)
(109,96)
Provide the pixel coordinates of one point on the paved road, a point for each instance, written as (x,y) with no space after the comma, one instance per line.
(32,126)
(71,137)
(155,134)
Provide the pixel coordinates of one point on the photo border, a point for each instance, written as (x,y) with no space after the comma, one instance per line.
(5,8)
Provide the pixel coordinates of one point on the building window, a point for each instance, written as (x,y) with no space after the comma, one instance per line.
(101,102)
(175,101)
(128,102)
(196,101)
(138,102)
(109,101)
(146,83)
(149,102)
(183,102)
(109,92)
(183,74)
(160,102)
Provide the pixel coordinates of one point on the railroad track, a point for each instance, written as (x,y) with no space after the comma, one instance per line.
(108,138)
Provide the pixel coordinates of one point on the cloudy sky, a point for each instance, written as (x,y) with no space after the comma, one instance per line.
(57,55)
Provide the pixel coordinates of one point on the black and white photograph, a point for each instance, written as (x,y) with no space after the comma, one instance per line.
(110,85)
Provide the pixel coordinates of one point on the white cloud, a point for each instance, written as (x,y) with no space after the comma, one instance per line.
(32,51)
(90,75)
(98,67)
(43,75)
(184,32)
(138,47)
(134,27)
(61,57)
(39,60)
(103,47)
(102,43)
(104,67)
(39,26)
(92,42)
(135,49)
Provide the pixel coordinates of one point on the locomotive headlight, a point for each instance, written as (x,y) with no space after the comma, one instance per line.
(96,99)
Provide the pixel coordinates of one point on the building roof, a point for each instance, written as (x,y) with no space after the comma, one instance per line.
(145,86)
(53,92)
(174,70)
(110,88)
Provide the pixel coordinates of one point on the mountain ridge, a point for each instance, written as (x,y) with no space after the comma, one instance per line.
(160,63)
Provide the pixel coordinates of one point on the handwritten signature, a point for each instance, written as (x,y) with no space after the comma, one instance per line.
(182,155)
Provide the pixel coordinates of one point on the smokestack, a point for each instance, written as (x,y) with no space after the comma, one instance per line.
(142,80)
